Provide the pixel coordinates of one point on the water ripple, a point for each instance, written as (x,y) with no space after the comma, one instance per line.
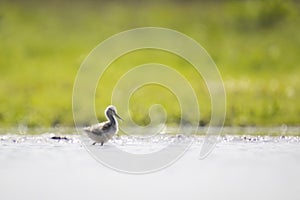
(125,140)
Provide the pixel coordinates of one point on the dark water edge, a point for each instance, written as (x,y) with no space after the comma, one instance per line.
(51,138)
(255,131)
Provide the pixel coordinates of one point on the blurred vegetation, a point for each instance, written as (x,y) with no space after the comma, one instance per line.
(255,44)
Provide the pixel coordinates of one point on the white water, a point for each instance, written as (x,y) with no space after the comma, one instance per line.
(251,167)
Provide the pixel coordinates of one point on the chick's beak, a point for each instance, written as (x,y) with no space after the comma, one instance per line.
(119,117)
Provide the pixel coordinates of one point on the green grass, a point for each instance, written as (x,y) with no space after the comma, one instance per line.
(255,44)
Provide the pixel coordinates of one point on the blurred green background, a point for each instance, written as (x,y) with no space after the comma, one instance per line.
(255,44)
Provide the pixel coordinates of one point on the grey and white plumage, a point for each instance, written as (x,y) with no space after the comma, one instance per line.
(102,132)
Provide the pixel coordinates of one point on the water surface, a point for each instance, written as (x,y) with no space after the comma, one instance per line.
(240,167)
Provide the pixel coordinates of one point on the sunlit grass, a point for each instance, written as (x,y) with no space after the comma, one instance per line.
(255,45)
